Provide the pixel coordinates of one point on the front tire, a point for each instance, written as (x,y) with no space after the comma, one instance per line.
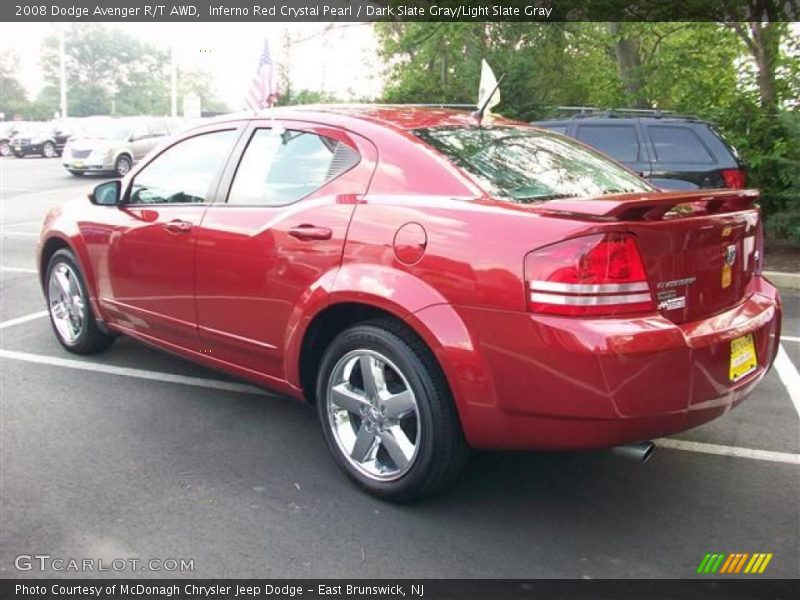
(69,308)
(76,173)
(123,165)
(5,148)
(387,413)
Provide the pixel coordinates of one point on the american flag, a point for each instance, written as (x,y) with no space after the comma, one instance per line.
(263,90)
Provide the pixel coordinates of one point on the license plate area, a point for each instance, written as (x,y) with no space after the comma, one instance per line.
(743,357)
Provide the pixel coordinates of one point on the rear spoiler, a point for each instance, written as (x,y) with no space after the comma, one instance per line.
(652,206)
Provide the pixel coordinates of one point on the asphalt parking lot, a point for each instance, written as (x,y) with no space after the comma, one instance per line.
(137,454)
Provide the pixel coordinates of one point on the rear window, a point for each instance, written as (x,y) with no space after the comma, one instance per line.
(678,145)
(618,141)
(528,165)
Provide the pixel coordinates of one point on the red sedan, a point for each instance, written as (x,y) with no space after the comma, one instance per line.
(429,282)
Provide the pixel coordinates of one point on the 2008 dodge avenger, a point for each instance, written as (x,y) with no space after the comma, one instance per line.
(431,281)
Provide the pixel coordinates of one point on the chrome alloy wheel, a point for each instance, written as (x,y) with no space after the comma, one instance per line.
(373,415)
(67,305)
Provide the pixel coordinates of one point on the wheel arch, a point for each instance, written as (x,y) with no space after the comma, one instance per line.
(436,322)
(57,241)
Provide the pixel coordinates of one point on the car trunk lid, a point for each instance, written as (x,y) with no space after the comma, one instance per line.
(700,249)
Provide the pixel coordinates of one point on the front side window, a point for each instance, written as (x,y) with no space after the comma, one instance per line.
(528,165)
(281,167)
(183,173)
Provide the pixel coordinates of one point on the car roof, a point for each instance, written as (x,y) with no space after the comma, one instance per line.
(395,116)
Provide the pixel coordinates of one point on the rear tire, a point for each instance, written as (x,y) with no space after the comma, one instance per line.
(69,308)
(49,150)
(397,436)
(5,149)
(76,173)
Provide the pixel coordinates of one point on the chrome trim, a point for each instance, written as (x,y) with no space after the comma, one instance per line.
(596,288)
(589,300)
(373,415)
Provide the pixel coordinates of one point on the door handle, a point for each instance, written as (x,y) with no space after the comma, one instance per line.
(178,226)
(306,233)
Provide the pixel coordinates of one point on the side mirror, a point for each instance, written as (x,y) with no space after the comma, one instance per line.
(106,194)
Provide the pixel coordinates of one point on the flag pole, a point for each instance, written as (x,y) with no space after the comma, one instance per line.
(173,76)
(62,72)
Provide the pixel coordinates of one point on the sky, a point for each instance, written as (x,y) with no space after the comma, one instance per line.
(337,58)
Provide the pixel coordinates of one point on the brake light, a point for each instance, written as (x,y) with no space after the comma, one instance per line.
(599,275)
(734,178)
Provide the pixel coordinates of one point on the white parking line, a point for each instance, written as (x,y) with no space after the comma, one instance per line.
(54,361)
(18,270)
(768,455)
(23,319)
(788,374)
(81,365)
(789,338)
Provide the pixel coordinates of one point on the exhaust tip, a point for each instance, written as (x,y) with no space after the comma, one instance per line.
(640,452)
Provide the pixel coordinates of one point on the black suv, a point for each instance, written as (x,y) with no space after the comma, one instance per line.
(673,152)
(45,139)
(7,131)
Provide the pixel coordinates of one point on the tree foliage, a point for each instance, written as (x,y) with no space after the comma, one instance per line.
(108,72)
(745,78)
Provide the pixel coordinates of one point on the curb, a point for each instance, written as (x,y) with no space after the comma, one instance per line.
(783,280)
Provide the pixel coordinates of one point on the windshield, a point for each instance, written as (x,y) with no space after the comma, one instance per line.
(528,165)
(108,130)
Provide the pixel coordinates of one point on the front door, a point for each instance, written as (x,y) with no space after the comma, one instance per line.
(147,281)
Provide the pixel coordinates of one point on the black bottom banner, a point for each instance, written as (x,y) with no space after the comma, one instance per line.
(380,589)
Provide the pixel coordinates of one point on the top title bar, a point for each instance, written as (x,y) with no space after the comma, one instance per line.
(402,10)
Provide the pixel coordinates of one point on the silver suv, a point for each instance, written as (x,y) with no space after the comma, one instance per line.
(115,145)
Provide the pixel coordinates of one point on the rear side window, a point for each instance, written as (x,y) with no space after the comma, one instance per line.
(279,168)
(678,145)
(618,141)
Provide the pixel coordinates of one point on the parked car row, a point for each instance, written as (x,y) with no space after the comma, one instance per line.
(98,144)
(113,146)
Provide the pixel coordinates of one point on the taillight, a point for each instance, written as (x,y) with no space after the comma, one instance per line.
(734,178)
(598,274)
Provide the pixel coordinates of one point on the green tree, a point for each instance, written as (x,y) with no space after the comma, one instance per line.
(112,72)
(13,99)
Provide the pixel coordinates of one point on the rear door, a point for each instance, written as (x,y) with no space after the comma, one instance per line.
(620,141)
(281,227)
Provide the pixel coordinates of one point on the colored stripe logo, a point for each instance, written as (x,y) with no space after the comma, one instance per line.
(735,562)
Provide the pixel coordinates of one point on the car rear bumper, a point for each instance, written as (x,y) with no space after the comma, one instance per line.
(26,149)
(87,166)
(571,383)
